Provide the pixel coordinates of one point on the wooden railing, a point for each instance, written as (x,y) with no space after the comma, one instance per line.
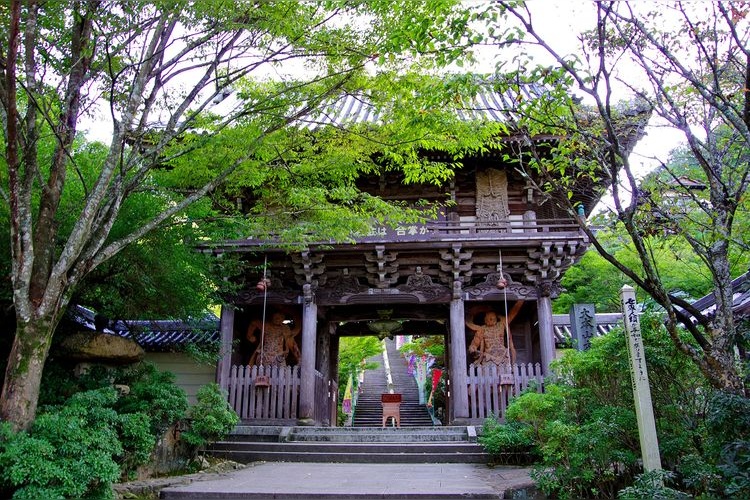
(271,393)
(507,226)
(267,392)
(473,230)
(491,387)
(450,230)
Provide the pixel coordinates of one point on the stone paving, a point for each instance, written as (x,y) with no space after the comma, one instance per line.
(284,480)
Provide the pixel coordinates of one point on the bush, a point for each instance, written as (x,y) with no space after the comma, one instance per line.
(584,427)
(211,418)
(511,443)
(154,394)
(86,435)
(72,451)
(652,486)
(151,392)
(729,441)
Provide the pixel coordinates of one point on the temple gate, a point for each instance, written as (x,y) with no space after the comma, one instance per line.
(492,257)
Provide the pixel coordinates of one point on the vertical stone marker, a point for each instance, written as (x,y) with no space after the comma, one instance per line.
(644,409)
(582,325)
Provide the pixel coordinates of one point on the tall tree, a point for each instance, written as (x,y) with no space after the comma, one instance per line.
(156,68)
(690,63)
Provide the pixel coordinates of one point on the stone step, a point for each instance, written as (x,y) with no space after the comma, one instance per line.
(349,457)
(420,437)
(369,409)
(418,448)
(427,444)
(352,434)
(337,452)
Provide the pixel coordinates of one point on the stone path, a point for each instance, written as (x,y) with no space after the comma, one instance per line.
(359,481)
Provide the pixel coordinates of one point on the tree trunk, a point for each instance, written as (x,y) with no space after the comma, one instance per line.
(722,369)
(23,375)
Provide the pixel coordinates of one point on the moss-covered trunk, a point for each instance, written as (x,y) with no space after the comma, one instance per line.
(23,375)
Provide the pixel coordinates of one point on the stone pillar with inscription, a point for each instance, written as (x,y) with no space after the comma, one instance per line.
(582,325)
(546,331)
(307,363)
(458,375)
(644,409)
(227,336)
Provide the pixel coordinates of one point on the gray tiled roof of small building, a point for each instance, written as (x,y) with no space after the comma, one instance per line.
(605,322)
(740,297)
(154,335)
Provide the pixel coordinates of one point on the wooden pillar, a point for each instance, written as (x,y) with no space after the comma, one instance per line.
(458,374)
(334,371)
(227,335)
(546,332)
(307,363)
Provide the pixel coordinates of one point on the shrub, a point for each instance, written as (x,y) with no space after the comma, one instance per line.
(511,443)
(584,426)
(729,441)
(72,451)
(153,393)
(86,436)
(652,486)
(211,418)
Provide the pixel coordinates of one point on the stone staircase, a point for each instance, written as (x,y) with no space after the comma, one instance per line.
(416,441)
(442,444)
(369,410)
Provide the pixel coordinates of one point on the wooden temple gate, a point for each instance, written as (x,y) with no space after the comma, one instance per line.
(334,298)
(271,393)
(492,224)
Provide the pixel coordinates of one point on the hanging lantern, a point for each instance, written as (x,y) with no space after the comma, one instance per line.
(263,284)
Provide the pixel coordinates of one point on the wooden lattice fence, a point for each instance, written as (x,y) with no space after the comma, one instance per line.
(264,392)
(491,387)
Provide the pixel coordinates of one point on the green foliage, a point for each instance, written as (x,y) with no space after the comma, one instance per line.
(594,280)
(73,450)
(143,195)
(511,438)
(204,351)
(152,397)
(685,238)
(211,418)
(353,351)
(584,430)
(434,345)
(729,443)
(652,485)
(88,435)
(154,394)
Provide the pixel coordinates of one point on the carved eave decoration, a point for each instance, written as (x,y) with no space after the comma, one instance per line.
(418,289)
(274,294)
(550,260)
(489,289)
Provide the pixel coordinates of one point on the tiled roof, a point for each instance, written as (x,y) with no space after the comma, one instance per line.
(153,335)
(489,106)
(740,298)
(561,326)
